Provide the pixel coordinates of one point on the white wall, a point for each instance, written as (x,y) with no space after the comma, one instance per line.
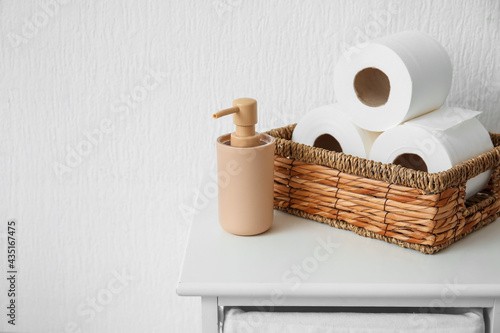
(70,72)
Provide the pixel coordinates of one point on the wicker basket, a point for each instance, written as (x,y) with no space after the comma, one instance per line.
(413,209)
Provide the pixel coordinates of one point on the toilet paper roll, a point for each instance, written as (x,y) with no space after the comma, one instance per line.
(329,128)
(436,142)
(393,79)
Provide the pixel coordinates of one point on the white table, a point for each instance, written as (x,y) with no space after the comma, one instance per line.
(290,265)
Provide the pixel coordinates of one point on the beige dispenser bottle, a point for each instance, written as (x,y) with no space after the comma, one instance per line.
(245,168)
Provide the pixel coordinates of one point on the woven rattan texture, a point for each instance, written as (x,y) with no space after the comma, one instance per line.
(413,209)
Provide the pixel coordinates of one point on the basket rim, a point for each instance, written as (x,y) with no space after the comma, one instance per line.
(391,173)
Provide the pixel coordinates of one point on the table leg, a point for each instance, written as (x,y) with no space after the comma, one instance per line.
(495,317)
(209,315)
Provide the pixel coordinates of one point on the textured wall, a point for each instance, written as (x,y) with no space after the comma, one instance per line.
(106,129)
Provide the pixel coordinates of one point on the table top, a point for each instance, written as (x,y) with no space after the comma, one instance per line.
(306,258)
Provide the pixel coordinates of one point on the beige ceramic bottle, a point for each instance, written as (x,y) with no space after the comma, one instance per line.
(245,173)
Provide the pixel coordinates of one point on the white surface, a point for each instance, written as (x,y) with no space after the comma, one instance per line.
(236,321)
(119,208)
(419,71)
(292,257)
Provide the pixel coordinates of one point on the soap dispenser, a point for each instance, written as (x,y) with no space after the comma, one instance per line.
(245,173)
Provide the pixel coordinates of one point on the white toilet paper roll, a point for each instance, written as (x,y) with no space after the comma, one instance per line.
(436,142)
(328,127)
(392,79)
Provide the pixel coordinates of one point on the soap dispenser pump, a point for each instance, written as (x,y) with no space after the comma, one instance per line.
(245,173)
(244,112)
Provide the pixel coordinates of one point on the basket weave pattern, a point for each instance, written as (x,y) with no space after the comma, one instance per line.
(413,209)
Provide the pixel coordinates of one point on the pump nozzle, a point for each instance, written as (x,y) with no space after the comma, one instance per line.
(245,118)
(225,112)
